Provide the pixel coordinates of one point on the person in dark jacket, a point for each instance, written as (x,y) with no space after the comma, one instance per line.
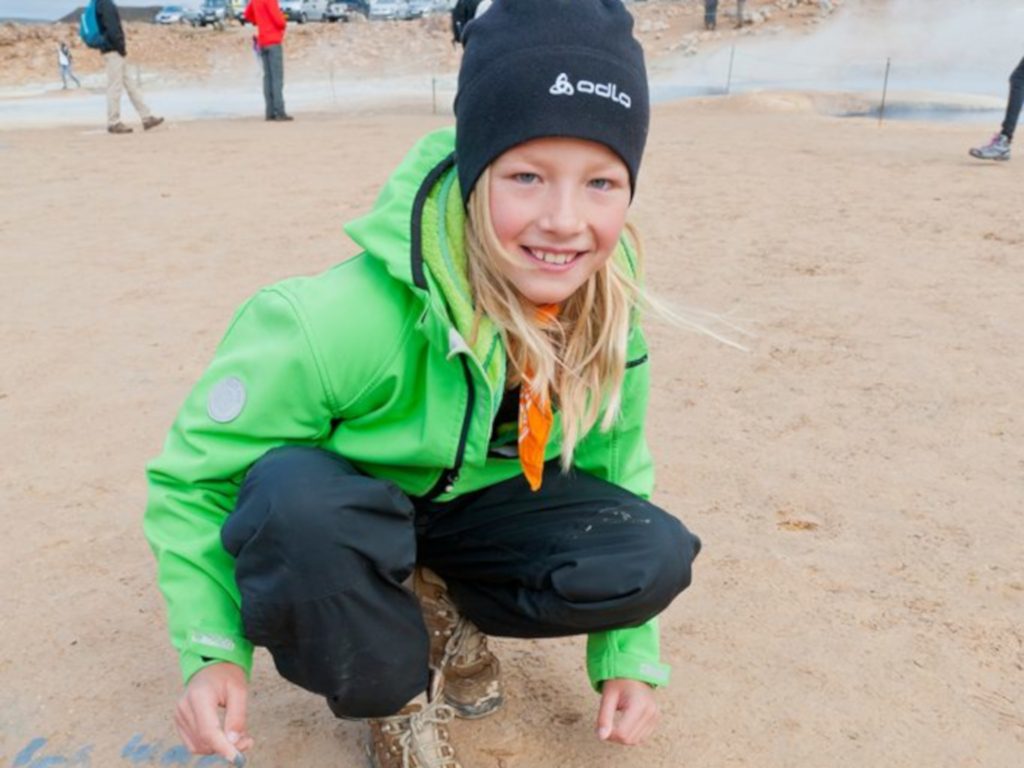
(998,147)
(114,52)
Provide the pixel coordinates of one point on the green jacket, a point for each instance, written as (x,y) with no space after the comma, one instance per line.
(329,361)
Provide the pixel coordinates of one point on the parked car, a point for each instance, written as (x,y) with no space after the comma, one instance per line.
(175,14)
(238,10)
(304,10)
(339,10)
(213,12)
(417,9)
(380,10)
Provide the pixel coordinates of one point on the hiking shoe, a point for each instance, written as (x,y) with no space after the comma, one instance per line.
(118,128)
(151,122)
(472,674)
(417,737)
(997,149)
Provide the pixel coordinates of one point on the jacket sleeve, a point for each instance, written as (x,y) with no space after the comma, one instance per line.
(621,456)
(278,15)
(249,14)
(110,22)
(263,389)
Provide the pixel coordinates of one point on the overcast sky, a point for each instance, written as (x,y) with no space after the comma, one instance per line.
(54,9)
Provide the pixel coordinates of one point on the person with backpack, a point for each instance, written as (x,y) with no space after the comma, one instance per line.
(443,437)
(998,147)
(109,38)
(64,60)
(270,23)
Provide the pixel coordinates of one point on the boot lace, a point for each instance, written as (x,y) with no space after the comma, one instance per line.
(423,738)
(466,646)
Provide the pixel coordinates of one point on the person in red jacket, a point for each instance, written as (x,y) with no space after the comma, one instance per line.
(270,24)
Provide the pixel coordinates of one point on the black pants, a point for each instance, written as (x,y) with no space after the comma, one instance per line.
(322,553)
(1015,101)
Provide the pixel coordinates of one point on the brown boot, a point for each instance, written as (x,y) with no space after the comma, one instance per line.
(472,674)
(417,737)
(118,128)
(151,122)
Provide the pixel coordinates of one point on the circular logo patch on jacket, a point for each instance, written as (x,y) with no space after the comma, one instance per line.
(226,400)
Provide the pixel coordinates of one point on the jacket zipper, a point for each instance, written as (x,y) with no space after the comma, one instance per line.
(449,477)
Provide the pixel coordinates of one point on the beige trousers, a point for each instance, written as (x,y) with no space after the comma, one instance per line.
(117,82)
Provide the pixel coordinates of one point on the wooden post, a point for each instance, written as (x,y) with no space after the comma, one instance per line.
(885,89)
(728,80)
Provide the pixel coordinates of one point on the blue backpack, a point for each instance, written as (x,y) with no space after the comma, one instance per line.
(89,27)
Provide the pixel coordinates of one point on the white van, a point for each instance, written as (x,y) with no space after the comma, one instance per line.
(304,10)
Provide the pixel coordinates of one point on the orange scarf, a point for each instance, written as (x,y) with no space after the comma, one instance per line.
(535,419)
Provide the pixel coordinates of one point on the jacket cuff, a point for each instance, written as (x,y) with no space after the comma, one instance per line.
(632,654)
(206,648)
(622,665)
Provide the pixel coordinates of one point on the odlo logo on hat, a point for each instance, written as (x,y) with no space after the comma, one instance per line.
(564,87)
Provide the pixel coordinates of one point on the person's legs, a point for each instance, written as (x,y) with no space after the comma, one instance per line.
(710,13)
(64,76)
(268,92)
(135,94)
(998,147)
(321,554)
(1013,104)
(275,59)
(115,84)
(71,74)
(580,555)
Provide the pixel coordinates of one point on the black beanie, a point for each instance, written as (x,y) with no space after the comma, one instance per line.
(542,68)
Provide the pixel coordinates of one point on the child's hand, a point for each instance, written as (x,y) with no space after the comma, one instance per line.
(638,712)
(197,715)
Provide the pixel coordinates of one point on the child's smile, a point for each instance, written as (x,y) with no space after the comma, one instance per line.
(560,204)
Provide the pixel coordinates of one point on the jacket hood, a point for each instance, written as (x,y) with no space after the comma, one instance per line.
(392,231)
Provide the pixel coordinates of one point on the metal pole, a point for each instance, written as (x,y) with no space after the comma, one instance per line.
(885,90)
(334,95)
(433,94)
(728,81)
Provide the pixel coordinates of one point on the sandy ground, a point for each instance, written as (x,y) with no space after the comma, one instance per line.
(856,476)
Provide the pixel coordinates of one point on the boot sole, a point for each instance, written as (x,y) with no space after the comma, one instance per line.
(475,711)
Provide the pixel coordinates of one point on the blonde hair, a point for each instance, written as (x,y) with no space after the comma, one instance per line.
(576,360)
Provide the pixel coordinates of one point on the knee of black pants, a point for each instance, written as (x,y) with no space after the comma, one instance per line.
(636,579)
(320,554)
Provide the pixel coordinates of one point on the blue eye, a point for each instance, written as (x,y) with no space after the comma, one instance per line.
(603,184)
(526,178)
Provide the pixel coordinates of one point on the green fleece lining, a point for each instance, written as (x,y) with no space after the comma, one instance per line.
(445,257)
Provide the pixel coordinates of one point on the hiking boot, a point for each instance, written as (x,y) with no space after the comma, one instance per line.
(118,128)
(151,122)
(997,149)
(417,737)
(471,672)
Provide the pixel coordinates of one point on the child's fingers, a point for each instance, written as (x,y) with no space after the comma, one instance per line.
(630,723)
(606,713)
(234,715)
(185,726)
(211,737)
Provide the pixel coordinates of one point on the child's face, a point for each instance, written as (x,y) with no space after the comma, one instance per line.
(558,207)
